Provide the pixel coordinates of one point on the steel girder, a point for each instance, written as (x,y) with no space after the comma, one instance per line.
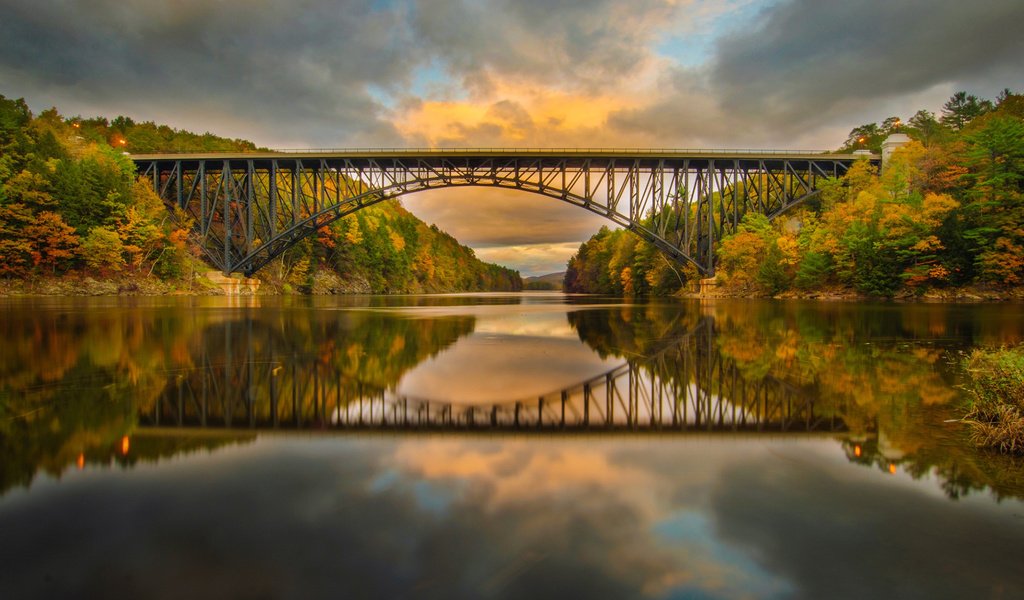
(249,209)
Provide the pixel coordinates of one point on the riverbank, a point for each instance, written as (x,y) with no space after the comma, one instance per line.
(967,294)
(202,285)
(205,283)
(108,286)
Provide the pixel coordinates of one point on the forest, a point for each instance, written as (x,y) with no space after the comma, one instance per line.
(75,219)
(947,213)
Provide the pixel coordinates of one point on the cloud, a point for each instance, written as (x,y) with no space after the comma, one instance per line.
(483,216)
(285,71)
(531,259)
(519,116)
(563,44)
(497,222)
(805,72)
(806,62)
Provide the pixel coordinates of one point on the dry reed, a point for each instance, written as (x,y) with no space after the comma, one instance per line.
(996,415)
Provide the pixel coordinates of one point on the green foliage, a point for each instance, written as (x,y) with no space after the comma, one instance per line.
(962,108)
(103,250)
(925,128)
(69,200)
(996,413)
(814,270)
(771,274)
(385,249)
(870,136)
(148,137)
(617,262)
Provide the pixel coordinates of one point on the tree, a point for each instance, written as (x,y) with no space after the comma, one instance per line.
(891,125)
(53,241)
(868,136)
(103,251)
(15,247)
(742,255)
(962,108)
(995,159)
(814,270)
(772,274)
(925,128)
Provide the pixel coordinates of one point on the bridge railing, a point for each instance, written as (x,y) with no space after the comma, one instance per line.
(547,150)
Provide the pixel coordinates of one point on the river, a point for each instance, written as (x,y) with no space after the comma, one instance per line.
(499,446)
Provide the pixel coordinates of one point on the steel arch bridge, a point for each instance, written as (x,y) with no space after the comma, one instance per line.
(248,208)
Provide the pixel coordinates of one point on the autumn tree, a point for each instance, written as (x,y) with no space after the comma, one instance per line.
(103,250)
(53,242)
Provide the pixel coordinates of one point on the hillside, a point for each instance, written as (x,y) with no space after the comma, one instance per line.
(551,281)
(385,249)
(73,219)
(942,219)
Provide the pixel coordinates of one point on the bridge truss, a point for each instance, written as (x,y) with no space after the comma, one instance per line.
(248,209)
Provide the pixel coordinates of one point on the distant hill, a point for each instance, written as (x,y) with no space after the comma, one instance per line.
(551,281)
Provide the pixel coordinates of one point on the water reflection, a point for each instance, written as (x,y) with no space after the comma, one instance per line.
(682,382)
(114,382)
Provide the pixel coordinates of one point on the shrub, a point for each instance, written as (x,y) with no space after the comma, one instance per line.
(996,415)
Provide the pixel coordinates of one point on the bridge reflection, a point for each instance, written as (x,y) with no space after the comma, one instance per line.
(683,384)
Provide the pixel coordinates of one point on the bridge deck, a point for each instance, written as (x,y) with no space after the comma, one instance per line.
(382,153)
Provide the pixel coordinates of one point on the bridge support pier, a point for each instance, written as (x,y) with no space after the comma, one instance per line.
(708,285)
(891,144)
(234,286)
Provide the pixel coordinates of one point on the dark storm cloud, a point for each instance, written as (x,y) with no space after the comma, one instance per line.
(556,42)
(807,64)
(813,57)
(302,66)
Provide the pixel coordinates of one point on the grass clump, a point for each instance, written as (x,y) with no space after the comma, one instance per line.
(996,415)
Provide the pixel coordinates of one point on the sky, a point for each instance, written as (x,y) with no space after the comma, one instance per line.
(780,74)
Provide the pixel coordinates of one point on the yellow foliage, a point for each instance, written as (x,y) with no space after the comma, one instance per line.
(790,249)
(353,233)
(627,281)
(1005,263)
(927,244)
(902,172)
(740,257)
(935,208)
(397,241)
(861,176)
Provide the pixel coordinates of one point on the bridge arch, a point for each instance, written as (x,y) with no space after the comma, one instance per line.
(283,240)
(250,208)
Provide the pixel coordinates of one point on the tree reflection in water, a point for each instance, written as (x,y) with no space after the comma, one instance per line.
(882,379)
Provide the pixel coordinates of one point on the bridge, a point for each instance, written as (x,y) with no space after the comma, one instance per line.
(248,208)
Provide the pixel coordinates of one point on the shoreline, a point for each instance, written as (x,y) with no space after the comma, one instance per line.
(971,294)
(87,286)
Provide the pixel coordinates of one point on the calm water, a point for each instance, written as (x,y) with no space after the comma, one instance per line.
(521,446)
